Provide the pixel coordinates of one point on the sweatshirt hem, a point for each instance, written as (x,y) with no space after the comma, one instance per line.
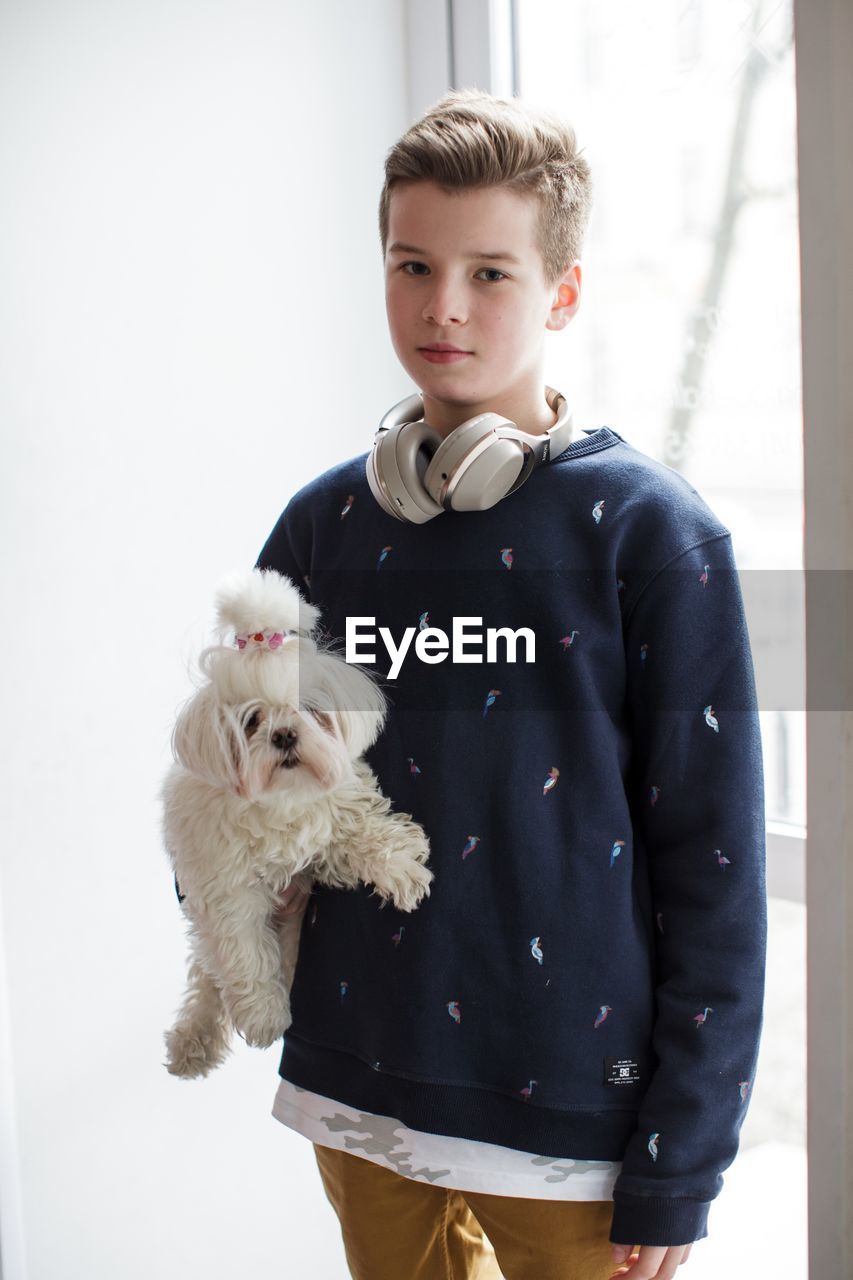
(586,1132)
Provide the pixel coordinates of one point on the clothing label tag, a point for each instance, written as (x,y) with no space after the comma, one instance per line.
(621,1071)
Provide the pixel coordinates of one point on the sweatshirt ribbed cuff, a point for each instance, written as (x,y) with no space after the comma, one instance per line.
(658,1220)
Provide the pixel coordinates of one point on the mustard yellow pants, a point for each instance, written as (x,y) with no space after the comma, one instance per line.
(397,1228)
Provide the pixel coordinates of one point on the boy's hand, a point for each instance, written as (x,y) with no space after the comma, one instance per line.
(650,1262)
(290,902)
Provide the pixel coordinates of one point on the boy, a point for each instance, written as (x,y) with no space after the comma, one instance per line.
(558,1046)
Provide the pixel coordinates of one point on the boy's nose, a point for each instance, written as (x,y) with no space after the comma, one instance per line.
(443,309)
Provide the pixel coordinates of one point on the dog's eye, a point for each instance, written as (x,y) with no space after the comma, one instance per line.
(323,719)
(252,723)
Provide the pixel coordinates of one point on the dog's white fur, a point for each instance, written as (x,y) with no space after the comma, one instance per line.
(267,785)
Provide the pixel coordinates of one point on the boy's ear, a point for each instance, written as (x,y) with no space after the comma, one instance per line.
(566,298)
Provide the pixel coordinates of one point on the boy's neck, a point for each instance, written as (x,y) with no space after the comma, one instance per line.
(535,418)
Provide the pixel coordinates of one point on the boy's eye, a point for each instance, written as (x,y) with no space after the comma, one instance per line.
(482,269)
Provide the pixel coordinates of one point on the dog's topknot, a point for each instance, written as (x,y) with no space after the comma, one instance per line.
(255,600)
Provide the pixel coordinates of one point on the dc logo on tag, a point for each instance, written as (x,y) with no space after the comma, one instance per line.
(621,1071)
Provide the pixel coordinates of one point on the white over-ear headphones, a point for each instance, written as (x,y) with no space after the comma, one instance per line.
(415,475)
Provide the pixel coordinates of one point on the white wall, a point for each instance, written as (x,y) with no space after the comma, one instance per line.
(192,327)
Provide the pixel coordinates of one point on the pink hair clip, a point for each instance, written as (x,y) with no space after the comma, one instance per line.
(262,639)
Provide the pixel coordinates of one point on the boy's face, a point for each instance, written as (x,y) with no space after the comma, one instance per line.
(497,311)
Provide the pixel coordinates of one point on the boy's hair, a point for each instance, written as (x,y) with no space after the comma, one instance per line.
(470,139)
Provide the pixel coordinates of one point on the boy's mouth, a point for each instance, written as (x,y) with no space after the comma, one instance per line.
(443,353)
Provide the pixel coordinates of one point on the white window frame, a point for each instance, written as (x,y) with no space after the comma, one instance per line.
(459,44)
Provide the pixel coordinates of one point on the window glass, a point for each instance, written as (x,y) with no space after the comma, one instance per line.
(687,339)
(687,343)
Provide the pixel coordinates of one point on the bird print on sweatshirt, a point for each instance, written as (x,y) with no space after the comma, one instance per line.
(598,510)
(602,1015)
(535,949)
(551,781)
(710,718)
(413,768)
(616,849)
(423,620)
(703,576)
(566,641)
(470,846)
(506,556)
(454,1010)
(722,861)
(383,555)
(490,700)
(653,1145)
(347,505)
(528,1089)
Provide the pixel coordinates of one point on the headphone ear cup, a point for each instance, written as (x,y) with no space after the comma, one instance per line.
(475,478)
(402,456)
(417,445)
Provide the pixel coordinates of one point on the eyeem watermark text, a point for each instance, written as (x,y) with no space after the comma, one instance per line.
(433,645)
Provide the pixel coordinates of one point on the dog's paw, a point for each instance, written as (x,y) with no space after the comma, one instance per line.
(263,1018)
(404,881)
(192,1052)
(410,842)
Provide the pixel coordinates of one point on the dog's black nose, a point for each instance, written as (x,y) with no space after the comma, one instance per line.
(283,738)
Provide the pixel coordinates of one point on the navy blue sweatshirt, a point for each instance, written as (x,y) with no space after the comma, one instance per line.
(586,977)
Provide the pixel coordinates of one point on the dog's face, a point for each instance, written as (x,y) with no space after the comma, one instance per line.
(267,723)
(285,748)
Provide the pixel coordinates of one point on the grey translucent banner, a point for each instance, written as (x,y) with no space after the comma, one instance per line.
(585,624)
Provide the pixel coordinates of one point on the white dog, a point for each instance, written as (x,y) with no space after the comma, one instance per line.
(267,786)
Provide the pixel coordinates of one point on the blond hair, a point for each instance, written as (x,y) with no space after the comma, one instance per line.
(470,139)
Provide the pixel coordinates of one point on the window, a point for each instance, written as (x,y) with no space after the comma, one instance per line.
(687,344)
(687,341)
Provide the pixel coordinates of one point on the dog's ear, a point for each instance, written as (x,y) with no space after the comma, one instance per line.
(207,740)
(350,697)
